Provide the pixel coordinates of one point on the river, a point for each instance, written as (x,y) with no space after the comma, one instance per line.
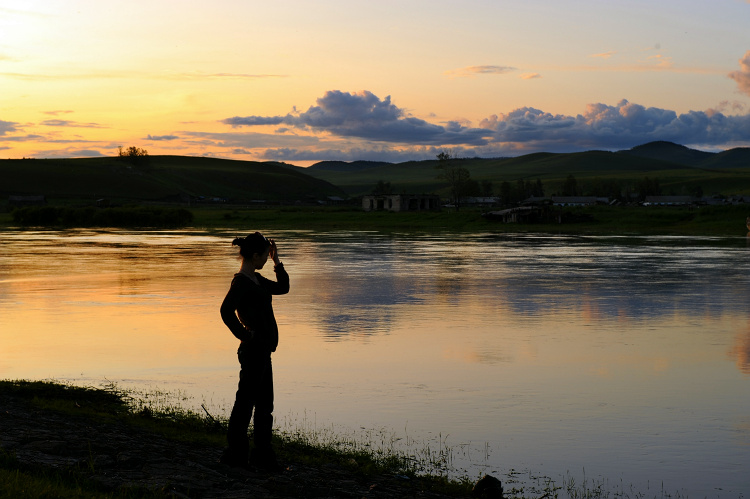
(621,361)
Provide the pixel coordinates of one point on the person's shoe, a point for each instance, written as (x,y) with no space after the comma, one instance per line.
(265,461)
(233,459)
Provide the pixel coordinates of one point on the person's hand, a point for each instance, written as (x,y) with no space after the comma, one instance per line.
(274,252)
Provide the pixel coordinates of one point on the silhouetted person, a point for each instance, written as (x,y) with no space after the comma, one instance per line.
(248,313)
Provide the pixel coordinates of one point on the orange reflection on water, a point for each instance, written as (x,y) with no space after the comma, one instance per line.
(106,324)
(740,351)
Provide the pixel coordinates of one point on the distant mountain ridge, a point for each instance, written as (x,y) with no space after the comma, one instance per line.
(723,172)
(658,150)
(341,166)
(669,151)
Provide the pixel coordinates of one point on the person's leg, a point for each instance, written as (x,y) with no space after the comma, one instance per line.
(239,420)
(263,454)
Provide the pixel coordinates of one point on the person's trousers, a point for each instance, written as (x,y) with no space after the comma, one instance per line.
(255,391)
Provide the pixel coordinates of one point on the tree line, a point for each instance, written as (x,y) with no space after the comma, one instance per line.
(461,186)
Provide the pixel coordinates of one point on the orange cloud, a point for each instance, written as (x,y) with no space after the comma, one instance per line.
(662,62)
(604,55)
(742,77)
(470,71)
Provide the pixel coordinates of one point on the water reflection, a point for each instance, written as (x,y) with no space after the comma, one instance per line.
(360,288)
(740,351)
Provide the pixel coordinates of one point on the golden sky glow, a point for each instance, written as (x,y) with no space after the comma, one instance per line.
(305,81)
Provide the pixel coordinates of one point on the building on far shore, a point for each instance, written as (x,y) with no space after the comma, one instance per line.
(401,202)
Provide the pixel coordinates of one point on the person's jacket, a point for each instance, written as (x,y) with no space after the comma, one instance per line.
(248,312)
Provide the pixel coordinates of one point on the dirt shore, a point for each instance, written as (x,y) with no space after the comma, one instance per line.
(120,456)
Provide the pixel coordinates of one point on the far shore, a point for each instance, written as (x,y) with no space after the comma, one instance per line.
(727,220)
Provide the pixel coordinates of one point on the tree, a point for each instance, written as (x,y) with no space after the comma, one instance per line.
(458,177)
(134,155)
(506,193)
(648,187)
(382,188)
(538,190)
(521,193)
(486,188)
(570,186)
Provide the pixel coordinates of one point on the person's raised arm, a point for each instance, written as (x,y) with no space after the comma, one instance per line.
(281,286)
(274,253)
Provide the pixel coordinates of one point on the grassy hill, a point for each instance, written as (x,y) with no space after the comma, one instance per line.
(678,169)
(669,151)
(163,178)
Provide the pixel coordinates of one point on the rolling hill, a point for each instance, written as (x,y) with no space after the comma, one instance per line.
(671,152)
(164,178)
(677,167)
(173,178)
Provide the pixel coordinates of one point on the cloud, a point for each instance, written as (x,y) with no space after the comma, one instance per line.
(126,74)
(68,76)
(365,116)
(530,76)
(56,113)
(73,124)
(249,140)
(161,137)
(351,126)
(198,75)
(604,55)
(7,126)
(479,70)
(23,138)
(734,106)
(616,127)
(69,153)
(659,61)
(384,153)
(254,121)
(742,77)
(86,153)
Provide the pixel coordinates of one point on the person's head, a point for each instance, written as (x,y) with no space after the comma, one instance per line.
(254,249)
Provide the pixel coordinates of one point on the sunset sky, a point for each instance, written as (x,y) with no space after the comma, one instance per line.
(302,81)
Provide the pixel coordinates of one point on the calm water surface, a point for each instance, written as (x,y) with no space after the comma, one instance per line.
(622,359)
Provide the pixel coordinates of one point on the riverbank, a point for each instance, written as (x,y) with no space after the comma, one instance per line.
(595,220)
(604,220)
(63,441)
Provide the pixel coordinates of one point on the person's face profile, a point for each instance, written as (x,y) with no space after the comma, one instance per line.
(260,259)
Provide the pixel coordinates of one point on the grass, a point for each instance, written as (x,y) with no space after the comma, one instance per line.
(35,483)
(371,454)
(20,481)
(89,179)
(157,412)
